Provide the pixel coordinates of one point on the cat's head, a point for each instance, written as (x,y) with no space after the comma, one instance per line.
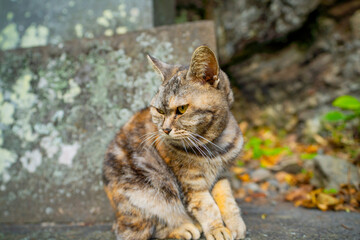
(192,100)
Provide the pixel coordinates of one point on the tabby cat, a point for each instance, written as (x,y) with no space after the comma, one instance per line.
(164,172)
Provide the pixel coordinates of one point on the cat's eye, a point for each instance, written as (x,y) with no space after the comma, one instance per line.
(160,111)
(182,109)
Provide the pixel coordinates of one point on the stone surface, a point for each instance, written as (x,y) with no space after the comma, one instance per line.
(330,172)
(242,22)
(40,22)
(289,165)
(264,221)
(260,174)
(59,108)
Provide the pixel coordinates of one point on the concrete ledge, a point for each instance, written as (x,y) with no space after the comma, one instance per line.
(279,221)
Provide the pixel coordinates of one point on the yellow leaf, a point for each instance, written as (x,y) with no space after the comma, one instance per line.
(326,199)
(322,207)
(238,170)
(269,161)
(245,177)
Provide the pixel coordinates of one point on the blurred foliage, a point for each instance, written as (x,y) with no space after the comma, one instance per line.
(344,125)
(345,103)
(276,151)
(346,199)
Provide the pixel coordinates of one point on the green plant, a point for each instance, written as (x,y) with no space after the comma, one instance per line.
(344,124)
(348,103)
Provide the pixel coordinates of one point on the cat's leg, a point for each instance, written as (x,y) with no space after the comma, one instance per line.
(172,218)
(229,209)
(132,225)
(145,213)
(202,205)
(130,221)
(187,230)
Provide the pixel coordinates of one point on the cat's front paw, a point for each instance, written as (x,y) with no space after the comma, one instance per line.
(185,231)
(237,227)
(220,233)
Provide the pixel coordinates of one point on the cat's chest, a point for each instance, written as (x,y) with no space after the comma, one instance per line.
(198,175)
(195,170)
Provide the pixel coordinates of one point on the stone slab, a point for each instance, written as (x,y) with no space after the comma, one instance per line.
(281,221)
(60,107)
(40,22)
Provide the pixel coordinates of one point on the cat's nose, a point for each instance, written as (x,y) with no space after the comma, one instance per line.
(167,130)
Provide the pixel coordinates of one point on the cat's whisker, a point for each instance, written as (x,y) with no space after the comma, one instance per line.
(184,146)
(199,149)
(147,140)
(159,140)
(155,143)
(187,140)
(212,156)
(145,137)
(148,134)
(204,146)
(215,145)
(191,146)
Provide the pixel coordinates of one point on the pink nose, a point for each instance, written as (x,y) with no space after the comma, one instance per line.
(167,130)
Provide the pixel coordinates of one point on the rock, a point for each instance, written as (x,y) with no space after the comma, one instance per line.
(331,172)
(66,103)
(41,22)
(289,165)
(243,22)
(283,187)
(286,87)
(252,187)
(260,174)
(355,24)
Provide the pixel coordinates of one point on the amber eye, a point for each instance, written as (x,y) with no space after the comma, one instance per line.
(182,109)
(160,111)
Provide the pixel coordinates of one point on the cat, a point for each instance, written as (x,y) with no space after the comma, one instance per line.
(164,172)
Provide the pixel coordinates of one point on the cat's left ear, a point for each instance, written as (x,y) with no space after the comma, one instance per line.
(163,69)
(204,66)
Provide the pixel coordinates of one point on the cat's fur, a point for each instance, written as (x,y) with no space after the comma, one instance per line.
(163,176)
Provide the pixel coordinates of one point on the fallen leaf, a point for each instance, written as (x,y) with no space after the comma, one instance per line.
(244,177)
(243,126)
(240,193)
(286,177)
(323,198)
(247,156)
(301,193)
(311,149)
(248,199)
(258,195)
(346,227)
(265,186)
(238,170)
(269,161)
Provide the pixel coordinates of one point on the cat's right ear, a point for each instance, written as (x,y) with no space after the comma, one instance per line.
(163,69)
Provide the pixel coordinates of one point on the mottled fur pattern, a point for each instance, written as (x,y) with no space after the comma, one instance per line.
(164,171)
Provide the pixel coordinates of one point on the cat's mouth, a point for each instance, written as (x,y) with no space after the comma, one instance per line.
(180,136)
(176,134)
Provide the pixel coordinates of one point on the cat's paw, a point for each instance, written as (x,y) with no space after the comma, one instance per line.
(220,233)
(186,231)
(237,227)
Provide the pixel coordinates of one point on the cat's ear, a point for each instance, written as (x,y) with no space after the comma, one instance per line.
(204,67)
(163,69)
